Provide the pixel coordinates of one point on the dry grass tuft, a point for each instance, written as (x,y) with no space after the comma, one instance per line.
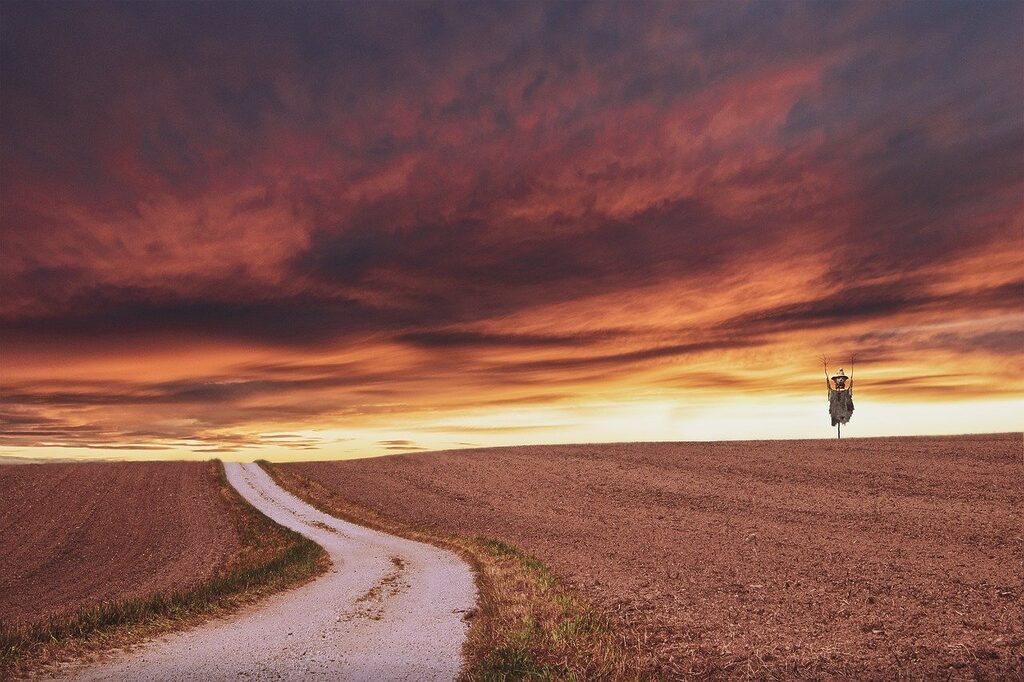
(527,625)
(271,558)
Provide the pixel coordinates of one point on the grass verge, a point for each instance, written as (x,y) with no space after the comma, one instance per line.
(527,625)
(271,558)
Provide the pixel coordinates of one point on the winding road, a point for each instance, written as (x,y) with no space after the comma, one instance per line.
(388,609)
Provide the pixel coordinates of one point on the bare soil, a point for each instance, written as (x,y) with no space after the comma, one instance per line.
(76,535)
(868,557)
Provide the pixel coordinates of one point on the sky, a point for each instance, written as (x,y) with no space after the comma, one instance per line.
(328,230)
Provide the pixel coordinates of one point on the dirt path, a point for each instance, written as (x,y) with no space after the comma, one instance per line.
(388,609)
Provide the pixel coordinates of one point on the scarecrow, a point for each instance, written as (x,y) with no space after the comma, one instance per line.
(840,398)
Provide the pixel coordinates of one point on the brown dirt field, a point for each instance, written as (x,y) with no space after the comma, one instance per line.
(869,557)
(75,535)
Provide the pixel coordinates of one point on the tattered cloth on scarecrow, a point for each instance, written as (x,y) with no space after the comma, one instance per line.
(840,405)
(841,399)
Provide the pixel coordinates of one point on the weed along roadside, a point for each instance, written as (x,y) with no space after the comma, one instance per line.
(270,558)
(526,624)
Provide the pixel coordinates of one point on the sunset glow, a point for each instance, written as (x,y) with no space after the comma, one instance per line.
(305,231)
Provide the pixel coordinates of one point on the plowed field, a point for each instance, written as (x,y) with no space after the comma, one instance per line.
(868,557)
(75,535)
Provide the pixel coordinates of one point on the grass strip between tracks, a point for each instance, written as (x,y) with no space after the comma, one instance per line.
(527,625)
(271,558)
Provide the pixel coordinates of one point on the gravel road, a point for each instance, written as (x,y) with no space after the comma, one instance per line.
(388,609)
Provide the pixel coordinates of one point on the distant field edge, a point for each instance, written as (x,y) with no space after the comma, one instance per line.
(271,558)
(527,625)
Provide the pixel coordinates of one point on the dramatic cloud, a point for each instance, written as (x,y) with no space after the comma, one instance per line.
(356,227)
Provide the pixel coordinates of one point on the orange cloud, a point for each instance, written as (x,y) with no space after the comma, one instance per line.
(395,227)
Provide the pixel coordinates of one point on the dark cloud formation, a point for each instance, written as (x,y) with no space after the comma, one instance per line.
(455,203)
(399,444)
(877,301)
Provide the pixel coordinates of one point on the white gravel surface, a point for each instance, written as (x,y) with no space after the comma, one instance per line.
(388,609)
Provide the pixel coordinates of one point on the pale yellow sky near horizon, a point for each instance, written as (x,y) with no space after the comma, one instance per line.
(628,421)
